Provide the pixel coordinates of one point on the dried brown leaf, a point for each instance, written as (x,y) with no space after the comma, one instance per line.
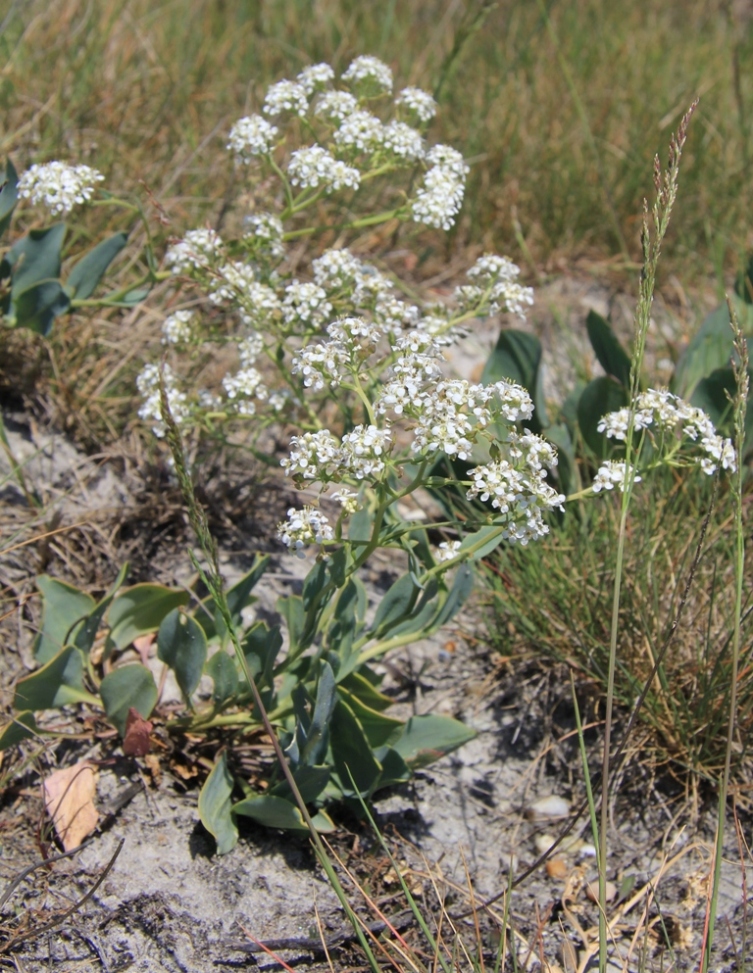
(69,800)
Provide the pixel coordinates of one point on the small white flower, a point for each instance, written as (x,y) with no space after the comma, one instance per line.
(313,168)
(613,473)
(314,77)
(361,131)
(305,303)
(147,382)
(303,528)
(403,141)
(336,105)
(419,102)
(249,349)
(337,269)
(363,450)
(245,384)
(59,186)
(445,157)
(347,499)
(198,250)
(286,96)
(177,329)
(438,201)
(313,455)
(251,136)
(369,75)
(268,230)
(448,551)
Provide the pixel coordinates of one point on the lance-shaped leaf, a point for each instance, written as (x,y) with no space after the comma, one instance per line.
(85,632)
(20,728)
(208,616)
(317,735)
(599,397)
(396,605)
(223,673)
(215,809)
(90,269)
(354,760)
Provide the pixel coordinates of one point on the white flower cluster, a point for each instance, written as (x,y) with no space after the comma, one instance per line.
(669,413)
(319,456)
(59,186)
(243,387)
(613,473)
(147,383)
(360,131)
(419,102)
(520,493)
(198,250)
(448,413)
(303,528)
(267,230)
(305,303)
(336,105)
(177,328)
(369,75)
(439,199)
(250,137)
(314,77)
(403,141)
(286,96)
(314,168)
(494,282)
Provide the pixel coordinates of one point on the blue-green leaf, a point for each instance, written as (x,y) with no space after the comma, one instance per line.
(517,357)
(610,354)
(8,196)
(318,730)
(20,728)
(88,272)
(35,257)
(215,810)
(352,754)
(57,683)
(140,609)
(600,396)
(238,597)
(276,812)
(37,307)
(396,605)
(126,687)
(62,606)
(222,671)
(182,645)
(427,738)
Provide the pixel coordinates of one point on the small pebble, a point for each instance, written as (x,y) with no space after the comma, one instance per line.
(556,868)
(587,851)
(592,891)
(548,807)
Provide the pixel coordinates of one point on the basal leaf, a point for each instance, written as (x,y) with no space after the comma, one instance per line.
(35,257)
(610,354)
(20,728)
(276,812)
(215,808)
(8,196)
(140,609)
(182,645)
(62,606)
(57,683)
(88,272)
(352,754)
(126,687)
(600,396)
(37,307)
(427,738)
(224,674)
